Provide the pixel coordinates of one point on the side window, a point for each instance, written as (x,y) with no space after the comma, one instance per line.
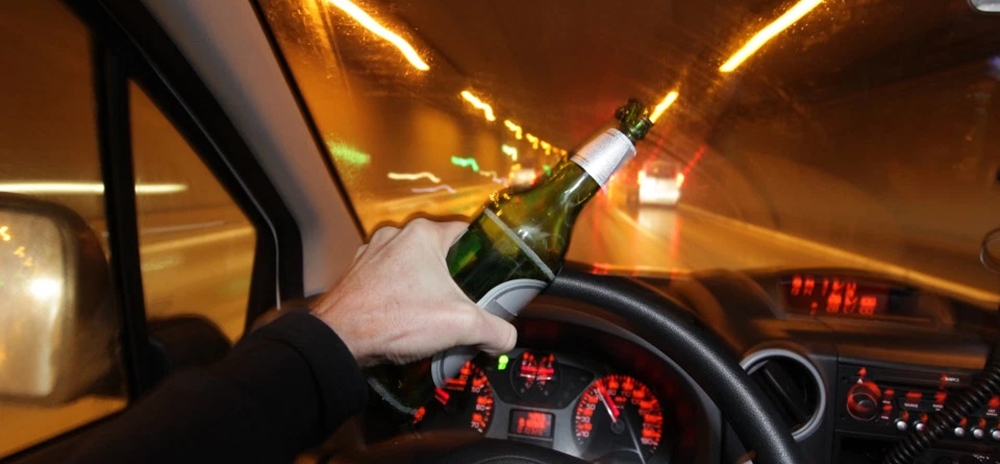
(48,151)
(196,246)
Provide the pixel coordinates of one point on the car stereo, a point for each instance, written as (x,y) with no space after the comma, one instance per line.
(877,407)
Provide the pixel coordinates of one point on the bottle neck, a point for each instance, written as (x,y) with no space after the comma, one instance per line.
(603,155)
(575,181)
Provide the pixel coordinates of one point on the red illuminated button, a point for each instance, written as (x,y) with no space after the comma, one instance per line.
(913,401)
(863,401)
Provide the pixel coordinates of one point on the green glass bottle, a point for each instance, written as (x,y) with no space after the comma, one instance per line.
(514,249)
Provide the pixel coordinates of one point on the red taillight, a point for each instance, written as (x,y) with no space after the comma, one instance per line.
(680,179)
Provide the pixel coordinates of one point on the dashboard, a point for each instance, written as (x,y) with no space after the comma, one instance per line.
(852,362)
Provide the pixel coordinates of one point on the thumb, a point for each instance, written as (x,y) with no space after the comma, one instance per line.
(490,333)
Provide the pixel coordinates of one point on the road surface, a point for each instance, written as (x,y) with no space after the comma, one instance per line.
(200,262)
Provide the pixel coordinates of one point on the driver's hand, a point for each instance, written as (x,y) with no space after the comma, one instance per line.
(397,301)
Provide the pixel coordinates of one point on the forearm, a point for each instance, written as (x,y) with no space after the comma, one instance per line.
(283,389)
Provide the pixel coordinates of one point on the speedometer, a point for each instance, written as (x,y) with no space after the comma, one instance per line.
(616,414)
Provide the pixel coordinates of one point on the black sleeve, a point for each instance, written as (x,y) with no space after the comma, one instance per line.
(283,389)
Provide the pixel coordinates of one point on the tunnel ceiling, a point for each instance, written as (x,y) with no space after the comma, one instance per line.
(563,66)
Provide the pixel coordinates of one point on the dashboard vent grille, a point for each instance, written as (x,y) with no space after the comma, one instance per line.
(793,385)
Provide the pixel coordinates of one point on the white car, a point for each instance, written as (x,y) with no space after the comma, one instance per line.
(522,177)
(660,184)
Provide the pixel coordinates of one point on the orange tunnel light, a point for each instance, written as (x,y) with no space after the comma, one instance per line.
(369,23)
(793,14)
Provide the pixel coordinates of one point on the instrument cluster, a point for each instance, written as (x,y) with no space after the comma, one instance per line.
(577,406)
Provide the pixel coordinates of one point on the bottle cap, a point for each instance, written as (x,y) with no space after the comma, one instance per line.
(634,120)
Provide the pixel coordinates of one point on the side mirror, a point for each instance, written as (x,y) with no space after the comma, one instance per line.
(58,330)
(986,6)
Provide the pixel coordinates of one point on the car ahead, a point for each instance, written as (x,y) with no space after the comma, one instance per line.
(170,171)
(522,177)
(660,183)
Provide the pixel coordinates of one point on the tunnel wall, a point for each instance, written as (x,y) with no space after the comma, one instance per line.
(909,168)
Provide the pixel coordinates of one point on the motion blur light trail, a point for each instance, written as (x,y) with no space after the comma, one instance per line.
(369,23)
(414,176)
(546,146)
(492,175)
(438,188)
(516,129)
(348,154)
(793,14)
(667,101)
(533,140)
(465,163)
(509,151)
(479,104)
(78,188)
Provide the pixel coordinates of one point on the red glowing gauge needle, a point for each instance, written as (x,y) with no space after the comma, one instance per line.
(609,402)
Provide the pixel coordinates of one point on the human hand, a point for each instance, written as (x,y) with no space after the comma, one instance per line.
(397,302)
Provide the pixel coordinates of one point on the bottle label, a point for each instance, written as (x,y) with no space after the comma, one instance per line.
(604,154)
(504,301)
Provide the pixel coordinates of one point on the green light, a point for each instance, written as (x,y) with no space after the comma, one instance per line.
(547,169)
(348,154)
(502,362)
(465,162)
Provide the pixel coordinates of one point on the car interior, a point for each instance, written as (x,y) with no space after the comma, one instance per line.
(826,290)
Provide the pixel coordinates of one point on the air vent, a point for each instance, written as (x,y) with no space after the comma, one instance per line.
(793,384)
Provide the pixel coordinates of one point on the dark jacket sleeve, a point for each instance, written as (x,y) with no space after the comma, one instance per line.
(282,389)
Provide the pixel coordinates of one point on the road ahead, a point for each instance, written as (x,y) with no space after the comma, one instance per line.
(690,239)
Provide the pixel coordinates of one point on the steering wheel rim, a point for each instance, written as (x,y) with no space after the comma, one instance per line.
(662,322)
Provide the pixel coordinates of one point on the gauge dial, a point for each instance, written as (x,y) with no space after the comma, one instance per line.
(467,398)
(618,412)
(535,376)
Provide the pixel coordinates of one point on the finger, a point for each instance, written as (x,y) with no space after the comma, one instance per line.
(361,250)
(490,333)
(383,235)
(450,231)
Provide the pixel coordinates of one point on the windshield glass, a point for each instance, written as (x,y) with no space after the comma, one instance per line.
(858,134)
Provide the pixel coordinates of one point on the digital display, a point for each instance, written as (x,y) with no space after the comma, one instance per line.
(835,296)
(530,423)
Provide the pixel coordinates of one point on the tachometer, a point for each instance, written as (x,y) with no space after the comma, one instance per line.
(618,413)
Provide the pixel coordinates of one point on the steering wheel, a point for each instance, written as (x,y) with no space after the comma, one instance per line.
(665,324)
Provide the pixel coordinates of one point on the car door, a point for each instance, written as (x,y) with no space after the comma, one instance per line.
(103,118)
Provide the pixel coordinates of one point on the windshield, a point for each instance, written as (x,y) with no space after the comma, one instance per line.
(858,134)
